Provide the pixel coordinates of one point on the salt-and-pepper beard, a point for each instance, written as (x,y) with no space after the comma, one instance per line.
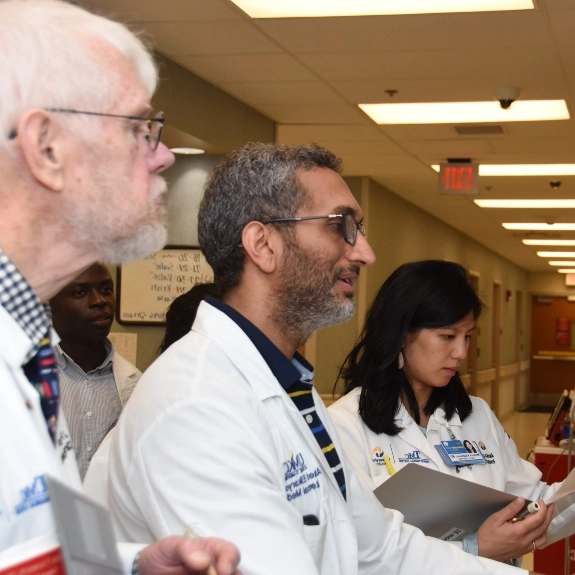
(305,300)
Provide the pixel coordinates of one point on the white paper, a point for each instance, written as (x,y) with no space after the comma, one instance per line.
(566,488)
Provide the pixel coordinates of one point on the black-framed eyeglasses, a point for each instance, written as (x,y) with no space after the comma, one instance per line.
(154,124)
(348,229)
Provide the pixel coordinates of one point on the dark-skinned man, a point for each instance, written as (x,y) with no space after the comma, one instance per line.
(95,381)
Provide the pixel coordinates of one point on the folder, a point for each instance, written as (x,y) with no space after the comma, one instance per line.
(441,505)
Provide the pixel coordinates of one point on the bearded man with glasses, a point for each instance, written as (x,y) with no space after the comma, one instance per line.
(228,413)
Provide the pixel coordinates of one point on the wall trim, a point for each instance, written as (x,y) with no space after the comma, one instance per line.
(524,365)
(486,376)
(508,370)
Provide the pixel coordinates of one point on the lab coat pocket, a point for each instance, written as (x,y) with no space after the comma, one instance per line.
(315,536)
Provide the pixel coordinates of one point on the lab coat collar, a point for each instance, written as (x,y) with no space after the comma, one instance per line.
(284,371)
(412,434)
(240,349)
(403,418)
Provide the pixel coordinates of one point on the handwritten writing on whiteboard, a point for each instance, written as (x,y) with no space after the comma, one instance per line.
(147,287)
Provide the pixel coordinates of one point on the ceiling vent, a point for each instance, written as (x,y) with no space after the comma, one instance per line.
(478,130)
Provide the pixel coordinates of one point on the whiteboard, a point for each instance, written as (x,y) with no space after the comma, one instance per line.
(147,287)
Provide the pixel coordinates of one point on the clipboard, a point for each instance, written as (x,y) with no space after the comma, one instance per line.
(441,505)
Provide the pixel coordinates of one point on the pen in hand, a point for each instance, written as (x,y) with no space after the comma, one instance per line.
(192,533)
(533,507)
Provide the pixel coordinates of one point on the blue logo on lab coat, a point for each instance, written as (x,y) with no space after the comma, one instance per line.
(294,466)
(33,495)
(413,457)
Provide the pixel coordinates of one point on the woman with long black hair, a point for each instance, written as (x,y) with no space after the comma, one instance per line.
(404,397)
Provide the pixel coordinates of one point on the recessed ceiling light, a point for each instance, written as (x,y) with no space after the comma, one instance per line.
(556,254)
(538,226)
(187,151)
(466,112)
(561,263)
(523,169)
(525,203)
(324,8)
(567,271)
(549,242)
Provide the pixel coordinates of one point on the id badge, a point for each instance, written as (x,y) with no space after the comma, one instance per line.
(454,452)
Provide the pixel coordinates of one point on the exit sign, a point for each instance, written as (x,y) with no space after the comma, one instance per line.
(459,178)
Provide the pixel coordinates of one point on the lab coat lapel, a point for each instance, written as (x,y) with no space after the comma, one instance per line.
(242,352)
(412,435)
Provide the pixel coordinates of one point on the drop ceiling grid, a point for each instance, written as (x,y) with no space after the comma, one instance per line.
(309,72)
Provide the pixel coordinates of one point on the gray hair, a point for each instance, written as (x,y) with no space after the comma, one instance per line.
(49,59)
(254,183)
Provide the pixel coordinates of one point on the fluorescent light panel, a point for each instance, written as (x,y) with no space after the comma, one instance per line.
(556,254)
(187,151)
(325,8)
(523,169)
(538,226)
(466,112)
(567,271)
(525,203)
(549,242)
(561,263)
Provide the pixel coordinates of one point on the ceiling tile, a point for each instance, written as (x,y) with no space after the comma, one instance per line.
(318,114)
(409,33)
(166,10)
(362,149)
(534,145)
(283,92)
(247,68)
(353,133)
(450,148)
(210,38)
(431,64)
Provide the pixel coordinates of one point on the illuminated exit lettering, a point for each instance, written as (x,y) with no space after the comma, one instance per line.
(459,178)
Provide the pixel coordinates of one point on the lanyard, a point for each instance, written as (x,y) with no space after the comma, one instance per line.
(440,418)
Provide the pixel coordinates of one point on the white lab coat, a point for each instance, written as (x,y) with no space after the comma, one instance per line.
(27,453)
(210,439)
(126,377)
(504,469)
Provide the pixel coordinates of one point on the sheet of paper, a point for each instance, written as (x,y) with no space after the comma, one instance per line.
(126,344)
(567,488)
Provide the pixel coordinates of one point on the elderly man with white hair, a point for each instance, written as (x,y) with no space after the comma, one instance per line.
(80,158)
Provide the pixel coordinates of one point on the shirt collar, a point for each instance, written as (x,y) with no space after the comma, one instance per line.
(63,359)
(24,306)
(283,369)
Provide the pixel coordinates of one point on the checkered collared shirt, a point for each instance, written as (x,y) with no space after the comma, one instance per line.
(22,303)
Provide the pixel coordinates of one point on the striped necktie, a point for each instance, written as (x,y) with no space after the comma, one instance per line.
(300,393)
(42,373)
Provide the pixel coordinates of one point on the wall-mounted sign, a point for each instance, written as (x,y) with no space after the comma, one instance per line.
(459,178)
